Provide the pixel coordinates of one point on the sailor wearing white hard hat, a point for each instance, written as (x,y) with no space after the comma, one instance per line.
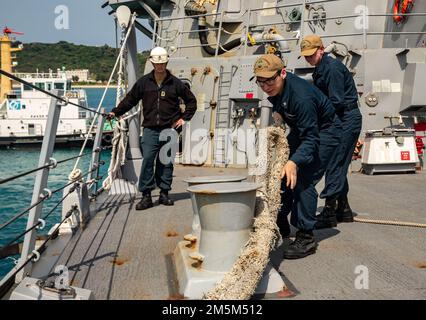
(161,94)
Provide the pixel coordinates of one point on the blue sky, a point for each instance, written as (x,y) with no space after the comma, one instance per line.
(88,23)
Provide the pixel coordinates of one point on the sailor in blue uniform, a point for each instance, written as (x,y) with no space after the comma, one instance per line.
(336,82)
(306,111)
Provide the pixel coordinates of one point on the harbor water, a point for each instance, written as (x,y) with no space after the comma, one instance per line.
(15,196)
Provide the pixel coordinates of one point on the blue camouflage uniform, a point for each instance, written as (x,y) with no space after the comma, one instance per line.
(308,113)
(336,82)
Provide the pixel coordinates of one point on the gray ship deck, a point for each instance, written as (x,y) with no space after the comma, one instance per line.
(127,254)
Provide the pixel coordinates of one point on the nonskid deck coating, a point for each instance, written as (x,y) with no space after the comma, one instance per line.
(127,254)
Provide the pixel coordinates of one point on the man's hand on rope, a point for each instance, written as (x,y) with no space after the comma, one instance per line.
(290,172)
(110,116)
(278,119)
(178,123)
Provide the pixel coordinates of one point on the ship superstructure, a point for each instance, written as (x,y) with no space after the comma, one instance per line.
(213,44)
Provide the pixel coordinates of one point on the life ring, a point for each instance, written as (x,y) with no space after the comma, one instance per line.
(401,7)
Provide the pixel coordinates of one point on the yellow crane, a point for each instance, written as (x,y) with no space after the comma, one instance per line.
(6,61)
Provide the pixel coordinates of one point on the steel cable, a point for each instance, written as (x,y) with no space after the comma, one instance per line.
(53,164)
(38,223)
(11,76)
(4,225)
(33,255)
(42,198)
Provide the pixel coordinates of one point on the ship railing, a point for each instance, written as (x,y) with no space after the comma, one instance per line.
(35,75)
(74,215)
(160,35)
(81,187)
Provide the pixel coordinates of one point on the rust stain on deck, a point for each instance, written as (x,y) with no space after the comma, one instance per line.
(420,265)
(120,261)
(171,233)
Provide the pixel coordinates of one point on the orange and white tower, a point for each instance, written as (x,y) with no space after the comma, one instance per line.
(6,61)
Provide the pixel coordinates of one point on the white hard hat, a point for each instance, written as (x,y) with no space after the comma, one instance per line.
(158,55)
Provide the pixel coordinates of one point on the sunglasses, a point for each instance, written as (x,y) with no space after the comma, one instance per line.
(268,82)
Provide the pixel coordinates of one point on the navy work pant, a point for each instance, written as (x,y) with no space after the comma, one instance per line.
(330,160)
(151,146)
(302,200)
(351,123)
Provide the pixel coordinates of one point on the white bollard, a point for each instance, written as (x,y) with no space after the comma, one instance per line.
(203,180)
(226,217)
(226,213)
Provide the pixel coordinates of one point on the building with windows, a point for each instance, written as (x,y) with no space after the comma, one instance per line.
(81,74)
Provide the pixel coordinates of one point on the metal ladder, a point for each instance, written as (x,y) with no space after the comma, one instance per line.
(222,117)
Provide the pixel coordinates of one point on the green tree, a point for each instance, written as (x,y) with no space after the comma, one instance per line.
(45,56)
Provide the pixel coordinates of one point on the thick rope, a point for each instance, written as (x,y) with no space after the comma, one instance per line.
(121,69)
(107,86)
(241,282)
(118,153)
(390,222)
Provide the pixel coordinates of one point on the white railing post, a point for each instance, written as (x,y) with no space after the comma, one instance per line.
(97,144)
(40,184)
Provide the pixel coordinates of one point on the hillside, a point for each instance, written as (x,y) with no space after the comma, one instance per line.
(42,56)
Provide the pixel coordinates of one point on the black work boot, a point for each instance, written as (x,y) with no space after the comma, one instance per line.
(302,246)
(164,198)
(146,202)
(344,212)
(327,218)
